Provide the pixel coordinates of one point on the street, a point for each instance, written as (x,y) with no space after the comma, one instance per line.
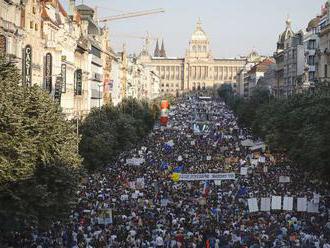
(156,195)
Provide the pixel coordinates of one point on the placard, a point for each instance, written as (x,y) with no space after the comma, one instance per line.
(284,179)
(312,207)
(302,204)
(217,182)
(253,205)
(193,142)
(288,203)
(208,158)
(316,198)
(244,171)
(265,204)
(276,202)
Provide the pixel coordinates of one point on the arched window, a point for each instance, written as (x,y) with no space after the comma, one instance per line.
(199,48)
(204,48)
(194,48)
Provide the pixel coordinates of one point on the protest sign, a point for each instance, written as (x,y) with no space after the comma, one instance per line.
(312,207)
(262,159)
(217,182)
(193,142)
(104,217)
(208,158)
(276,202)
(288,203)
(253,205)
(284,179)
(265,204)
(302,204)
(244,171)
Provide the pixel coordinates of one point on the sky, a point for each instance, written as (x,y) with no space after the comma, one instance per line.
(234,27)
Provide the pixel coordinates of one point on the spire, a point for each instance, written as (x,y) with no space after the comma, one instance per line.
(288,22)
(162,50)
(199,24)
(157,52)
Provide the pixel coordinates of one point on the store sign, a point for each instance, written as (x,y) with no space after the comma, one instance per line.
(48,72)
(78,82)
(3,44)
(63,74)
(27,65)
(58,89)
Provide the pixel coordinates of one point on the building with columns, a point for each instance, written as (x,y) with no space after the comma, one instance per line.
(197,70)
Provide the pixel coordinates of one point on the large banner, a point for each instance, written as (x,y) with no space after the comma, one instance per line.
(207,176)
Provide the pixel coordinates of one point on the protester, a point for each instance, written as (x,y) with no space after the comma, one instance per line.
(142,204)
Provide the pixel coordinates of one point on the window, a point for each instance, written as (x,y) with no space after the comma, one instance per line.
(325,71)
(194,48)
(95,51)
(311,60)
(312,44)
(33,10)
(31,25)
(311,75)
(36,27)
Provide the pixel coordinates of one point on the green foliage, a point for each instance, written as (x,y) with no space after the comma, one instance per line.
(298,125)
(39,163)
(108,131)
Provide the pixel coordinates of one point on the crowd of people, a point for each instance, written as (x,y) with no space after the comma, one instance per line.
(143,205)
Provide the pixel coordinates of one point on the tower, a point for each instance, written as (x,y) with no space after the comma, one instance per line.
(162,50)
(157,52)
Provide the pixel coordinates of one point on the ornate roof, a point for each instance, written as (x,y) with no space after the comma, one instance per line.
(199,33)
(313,23)
(287,33)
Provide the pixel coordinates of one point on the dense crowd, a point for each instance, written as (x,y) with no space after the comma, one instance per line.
(142,205)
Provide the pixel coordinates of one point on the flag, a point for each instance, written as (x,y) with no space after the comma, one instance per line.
(175,177)
(206,188)
(178,169)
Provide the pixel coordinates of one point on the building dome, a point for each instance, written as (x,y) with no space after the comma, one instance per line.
(199,33)
(287,33)
(313,23)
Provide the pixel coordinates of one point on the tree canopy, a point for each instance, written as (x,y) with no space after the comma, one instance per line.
(297,124)
(39,163)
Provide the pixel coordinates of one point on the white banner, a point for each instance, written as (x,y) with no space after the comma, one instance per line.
(288,203)
(253,205)
(312,207)
(135,161)
(276,202)
(265,204)
(244,171)
(302,204)
(284,179)
(207,176)
(316,198)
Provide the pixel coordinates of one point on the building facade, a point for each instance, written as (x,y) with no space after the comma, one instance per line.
(197,70)
(324,47)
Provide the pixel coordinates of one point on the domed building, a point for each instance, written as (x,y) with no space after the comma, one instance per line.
(197,70)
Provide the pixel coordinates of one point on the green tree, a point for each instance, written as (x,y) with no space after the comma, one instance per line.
(108,131)
(39,163)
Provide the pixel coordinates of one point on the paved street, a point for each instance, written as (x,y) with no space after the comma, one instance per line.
(146,203)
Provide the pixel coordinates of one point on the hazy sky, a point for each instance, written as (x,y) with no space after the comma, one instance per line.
(234,27)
